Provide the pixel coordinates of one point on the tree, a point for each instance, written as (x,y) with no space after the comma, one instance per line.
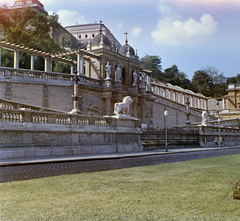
(201,82)
(210,82)
(153,63)
(31,29)
(67,41)
(234,80)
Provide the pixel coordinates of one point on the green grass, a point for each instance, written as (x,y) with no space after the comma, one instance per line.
(193,190)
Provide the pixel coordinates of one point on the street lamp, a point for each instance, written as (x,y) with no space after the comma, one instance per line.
(166,114)
(219,137)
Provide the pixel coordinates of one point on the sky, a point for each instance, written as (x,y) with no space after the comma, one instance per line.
(192,34)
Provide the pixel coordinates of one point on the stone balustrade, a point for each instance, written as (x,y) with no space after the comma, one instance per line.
(28,115)
(25,75)
(177,105)
(179,95)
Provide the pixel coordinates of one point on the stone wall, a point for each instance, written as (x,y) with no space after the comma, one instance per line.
(27,133)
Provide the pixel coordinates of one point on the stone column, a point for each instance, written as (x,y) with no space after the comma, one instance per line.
(48,64)
(0,56)
(75,95)
(142,102)
(107,95)
(82,65)
(108,106)
(72,69)
(32,62)
(164,92)
(149,85)
(16,58)
(223,103)
(174,95)
(135,105)
(79,69)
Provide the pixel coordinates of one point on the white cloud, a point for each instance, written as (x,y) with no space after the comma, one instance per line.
(120,25)
(7,2)
(171,30)
(68,18)
(136,31)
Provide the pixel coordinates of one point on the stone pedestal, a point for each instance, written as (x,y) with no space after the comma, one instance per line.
(142,90)
(118,85)
(133,89)
(108,83)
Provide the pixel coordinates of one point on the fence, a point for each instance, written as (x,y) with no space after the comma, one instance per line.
(156,138)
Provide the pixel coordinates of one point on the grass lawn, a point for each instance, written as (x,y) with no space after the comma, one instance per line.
(193,190)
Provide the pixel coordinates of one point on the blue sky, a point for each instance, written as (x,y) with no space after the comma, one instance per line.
(192,34)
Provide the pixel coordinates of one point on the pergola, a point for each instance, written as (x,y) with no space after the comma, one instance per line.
(79,54)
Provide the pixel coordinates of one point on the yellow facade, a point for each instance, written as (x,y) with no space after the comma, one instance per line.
(233,98)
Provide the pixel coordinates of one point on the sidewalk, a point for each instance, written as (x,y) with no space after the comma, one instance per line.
(52,159)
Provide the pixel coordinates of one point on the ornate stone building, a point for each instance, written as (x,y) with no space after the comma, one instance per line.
(98,86)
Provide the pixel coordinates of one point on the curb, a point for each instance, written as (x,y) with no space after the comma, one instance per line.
(102,157)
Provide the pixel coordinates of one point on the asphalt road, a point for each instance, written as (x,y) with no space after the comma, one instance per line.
(34,171)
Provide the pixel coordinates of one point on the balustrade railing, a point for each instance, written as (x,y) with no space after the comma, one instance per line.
(27,115)
(34,74)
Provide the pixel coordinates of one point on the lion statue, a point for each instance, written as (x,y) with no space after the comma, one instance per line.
(123,107)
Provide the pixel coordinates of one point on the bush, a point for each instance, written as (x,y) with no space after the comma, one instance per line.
(235,193)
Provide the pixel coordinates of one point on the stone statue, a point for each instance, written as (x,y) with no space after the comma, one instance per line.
(123,107)
(205,119)
(143,79)
(118,74)
(108,70)
(135,77)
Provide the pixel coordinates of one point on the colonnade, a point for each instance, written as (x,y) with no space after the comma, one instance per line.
(47,59)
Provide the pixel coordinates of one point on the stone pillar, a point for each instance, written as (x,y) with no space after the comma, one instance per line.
(32,62)
(107,95)
(142,102)
(48,64)
(149,85)
(223,103)
(135,105)
(82,65)
(75,95)
(72,69)
(79,69)
(164,92)
(108,106)
(174,95)
(16,58)
(0,56)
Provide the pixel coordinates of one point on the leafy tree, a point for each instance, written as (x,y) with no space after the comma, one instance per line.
(153,63)
(234,80)
(31,29)
(201,82)
(67,41)
(209,82)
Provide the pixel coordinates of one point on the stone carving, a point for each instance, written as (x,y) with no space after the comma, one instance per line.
(108,70)
(123,107)
(205,119)
(118,74)
(143,79)
(135,77)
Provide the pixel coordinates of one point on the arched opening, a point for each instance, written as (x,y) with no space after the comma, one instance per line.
(123,76)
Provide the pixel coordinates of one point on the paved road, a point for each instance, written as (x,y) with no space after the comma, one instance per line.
(33,171)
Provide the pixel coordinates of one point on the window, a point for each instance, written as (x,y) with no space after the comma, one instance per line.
(93,35)
(85,36)
(79,36)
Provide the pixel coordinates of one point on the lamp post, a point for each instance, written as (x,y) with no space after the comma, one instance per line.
(166,144)
(219,137)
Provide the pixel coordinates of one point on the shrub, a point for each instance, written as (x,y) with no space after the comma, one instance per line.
(235,193)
